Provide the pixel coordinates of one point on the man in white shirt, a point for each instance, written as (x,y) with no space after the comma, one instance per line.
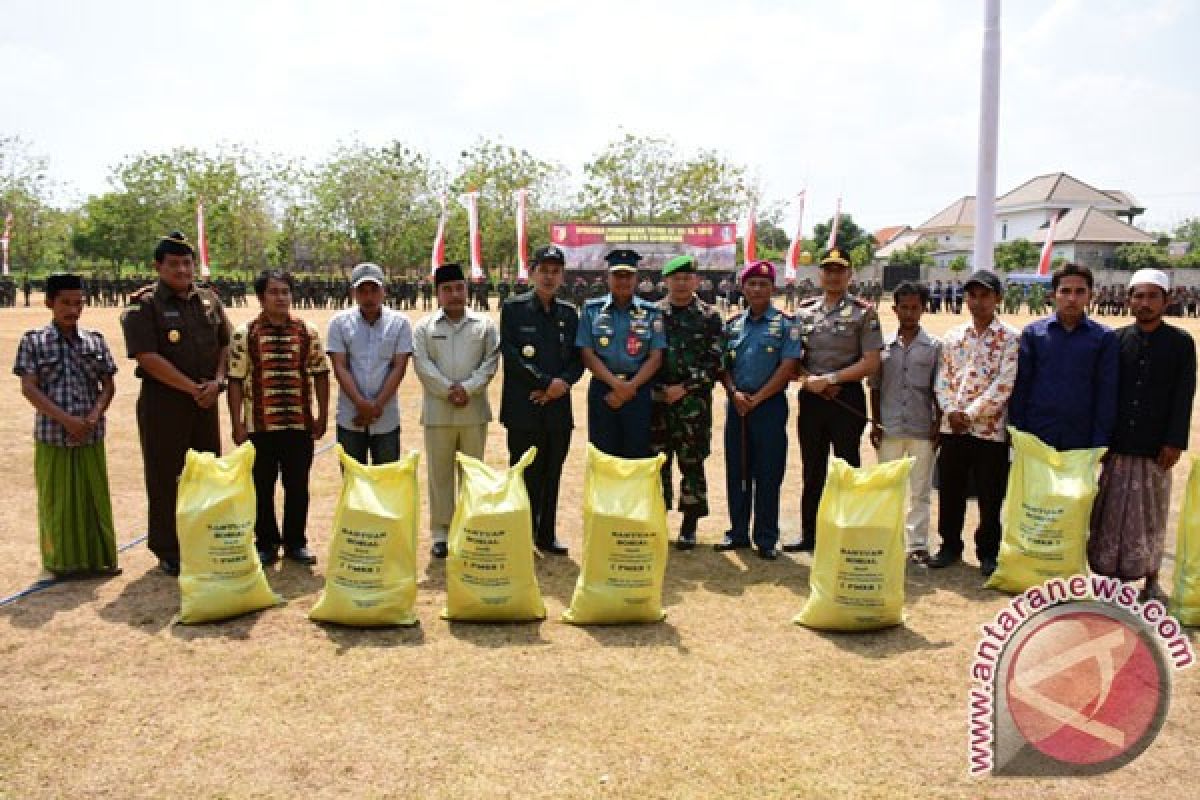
(456,353)
(369,346)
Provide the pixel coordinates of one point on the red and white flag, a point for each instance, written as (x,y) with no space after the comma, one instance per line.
(1048,247)
(4,239)
(522,242)
(202,240)
(750,237)
(470,201)
(439,240)
(792,259)
(837,216)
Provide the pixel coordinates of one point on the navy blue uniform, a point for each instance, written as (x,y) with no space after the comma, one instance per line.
(623,339)
(754,349)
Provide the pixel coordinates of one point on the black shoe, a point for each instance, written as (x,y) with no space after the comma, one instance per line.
(553,547)
(268,557)
(987,566)
(729,543)
(768,553)
(301,555)
(685,541)
(943,559)
(800,545)
(169,567)
(439,550)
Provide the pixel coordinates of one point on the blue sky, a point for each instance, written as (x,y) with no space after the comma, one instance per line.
(877,101)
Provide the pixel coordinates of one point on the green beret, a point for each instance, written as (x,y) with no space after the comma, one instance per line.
(679,264)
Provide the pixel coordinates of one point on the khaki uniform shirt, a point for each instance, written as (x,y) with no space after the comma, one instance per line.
(445,352)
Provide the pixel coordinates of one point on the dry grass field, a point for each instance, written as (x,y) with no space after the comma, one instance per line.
(103,696)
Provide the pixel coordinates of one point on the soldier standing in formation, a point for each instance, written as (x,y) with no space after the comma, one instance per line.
(681,422)
(842,344)
(621,338)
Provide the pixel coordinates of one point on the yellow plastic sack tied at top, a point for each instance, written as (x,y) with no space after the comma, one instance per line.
(1047,513)
(489,572)
(1185,600)
(372,573)
(624,542)
(220,575)
(857,579)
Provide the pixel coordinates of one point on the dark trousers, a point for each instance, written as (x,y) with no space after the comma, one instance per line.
(960,457)
(542,476)
(754,489)
(383,448)
(625,432)
(169,424)
(290,454)
(824,423)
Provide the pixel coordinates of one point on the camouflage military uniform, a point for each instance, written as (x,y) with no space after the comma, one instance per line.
(683,430)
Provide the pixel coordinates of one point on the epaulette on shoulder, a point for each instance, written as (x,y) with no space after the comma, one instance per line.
(867,304)
(811,301)
(594,301)
(142,294)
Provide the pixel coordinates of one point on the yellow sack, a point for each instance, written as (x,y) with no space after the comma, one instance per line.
(857,578)
(1047,513)
(1185,600)
(220,575)
(624,542)
(489,572)
(372,574)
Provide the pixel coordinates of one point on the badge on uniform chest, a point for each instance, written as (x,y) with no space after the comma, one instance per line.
(528,351)
(633,343)
(173,336)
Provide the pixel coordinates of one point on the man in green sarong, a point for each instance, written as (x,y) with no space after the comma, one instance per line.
(67,375)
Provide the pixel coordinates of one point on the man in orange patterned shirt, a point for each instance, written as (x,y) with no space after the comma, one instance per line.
(277,368)
(974,383)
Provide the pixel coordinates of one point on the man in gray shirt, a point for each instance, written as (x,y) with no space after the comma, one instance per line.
(903,408)
(369,346)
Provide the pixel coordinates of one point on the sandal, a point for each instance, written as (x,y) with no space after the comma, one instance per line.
(919,556)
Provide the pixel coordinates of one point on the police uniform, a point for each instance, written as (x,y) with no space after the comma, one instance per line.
(622,338)
(683,430)
(538,345)
(756,444)
(833,338)
(191,332)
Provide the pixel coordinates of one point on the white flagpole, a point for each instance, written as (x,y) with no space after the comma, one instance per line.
(989,128)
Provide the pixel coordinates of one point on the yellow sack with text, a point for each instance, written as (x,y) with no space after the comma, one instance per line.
(489,572)
(857,578)
(624,542)
(372,574)
(1047,513)
(1185,600)
(220,575)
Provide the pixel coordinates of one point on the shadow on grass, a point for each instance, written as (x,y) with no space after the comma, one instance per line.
(235,628)
(291,580)
(638,635)
(36,609)
(498,634)
(147,603)
(349,638)
(882,643)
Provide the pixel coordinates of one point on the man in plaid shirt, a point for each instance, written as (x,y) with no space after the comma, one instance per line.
(67,376)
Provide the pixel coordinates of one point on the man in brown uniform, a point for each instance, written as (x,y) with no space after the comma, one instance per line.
(179,336)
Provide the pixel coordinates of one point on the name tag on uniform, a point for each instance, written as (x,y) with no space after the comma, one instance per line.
(170,313)
(528,329)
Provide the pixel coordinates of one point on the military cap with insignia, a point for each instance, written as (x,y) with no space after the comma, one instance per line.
(835,258)
(622,260)
(679,264)
(757,269)
(549,253)
(173,244)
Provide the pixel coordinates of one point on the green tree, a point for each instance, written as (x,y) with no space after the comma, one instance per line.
(958,263)
(40,231)
(1017,255)
(849,236)
(1140,256)
(1189,231)
(915,255)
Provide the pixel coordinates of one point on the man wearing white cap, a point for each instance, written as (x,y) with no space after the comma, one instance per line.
(1156,384)
(369,345)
